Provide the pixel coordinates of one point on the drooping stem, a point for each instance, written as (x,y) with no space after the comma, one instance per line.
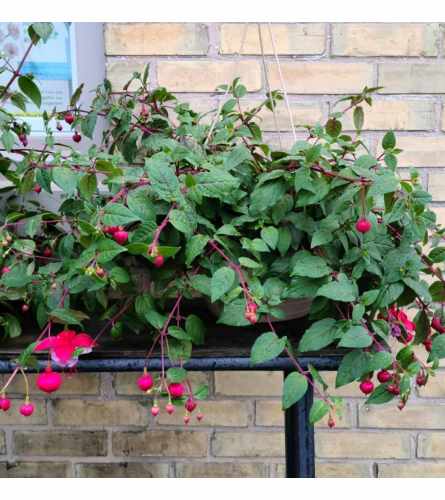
(154,244)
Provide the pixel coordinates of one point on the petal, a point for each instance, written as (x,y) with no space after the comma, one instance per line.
(45,344)
(64,352)
(83,340)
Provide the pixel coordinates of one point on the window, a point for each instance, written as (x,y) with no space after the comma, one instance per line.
(74,54)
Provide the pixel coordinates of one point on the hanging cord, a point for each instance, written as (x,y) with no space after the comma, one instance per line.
(268,90)
(226,93)
(283,85)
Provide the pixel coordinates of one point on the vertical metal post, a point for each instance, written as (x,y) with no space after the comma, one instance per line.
(299,438)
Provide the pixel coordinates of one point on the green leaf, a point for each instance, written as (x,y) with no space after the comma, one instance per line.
(318,410)
(356,336)
(17,277)
(389,140)
(233,314)
(319,335)
(333,127)
(342,290)
(294,388)
(88,185)
(183,220)
(202,392)
(116,214)
(119,275)
(43,30)
(422,327)
(266,196)
(437,291)
(139,203)
(76,95)
(437,254)
(380,396)
(130,146)
(353,365)
(195,246)
(222,281)
(176,374)
(358,118)
(419,287)
(30,89)
(310,266)
(216,184)
(270,236)
(163,181)
(178,333)
(249,263)
(68,316)
(12,326)
(88,124)
(438,347)
(266,347)
(195,329)
(66,179)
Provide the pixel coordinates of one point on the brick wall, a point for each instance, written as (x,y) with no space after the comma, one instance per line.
(100,426)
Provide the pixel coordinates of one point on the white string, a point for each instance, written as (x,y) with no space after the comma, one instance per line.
(221,104)
(268,90)
(283,85)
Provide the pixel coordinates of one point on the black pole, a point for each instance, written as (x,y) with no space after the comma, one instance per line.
(299,438)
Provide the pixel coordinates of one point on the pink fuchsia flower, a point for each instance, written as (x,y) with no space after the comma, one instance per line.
(399,316)
(66,347)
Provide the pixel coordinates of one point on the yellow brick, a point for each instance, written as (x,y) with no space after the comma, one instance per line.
(349,390)
(221,469)
(79,383)
(412,78)
(119,72)
(421,151)
(412,469)
(122,469)
(161,443)
(397,115)
(302,114)
(269,413)
(362,444)
(385,39)
(35,469)
(100,413)
(248,444)
(216,413)
(248,383)
(125,383)
(436,186)
(440,213)
(205,76)
(431,445)
(126,39)
(342,469)
(322,77)
(292,39)
(413,416)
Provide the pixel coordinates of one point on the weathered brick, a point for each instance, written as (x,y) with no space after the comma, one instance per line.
(440,213)
(127,39)
(2,443)
(291,39)
(431,445)
(35,469)
(269,413)
(79,383)
(226,413)
(122,469)
(422,151)
(205,76)
(385,39)
(161,443)
(322,77)
(248,383)
(362,444)
(63,444)
(413,416)
(397,115)
(412,78)
(343,469)
(13,417)
(119,72)
(100,413)
(221,469)
(248,444)
(412,469)
(436,187)
(125,383)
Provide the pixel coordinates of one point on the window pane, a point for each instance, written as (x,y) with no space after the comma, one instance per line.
(50,63)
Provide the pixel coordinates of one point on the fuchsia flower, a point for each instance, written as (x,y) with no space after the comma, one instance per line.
(398,319)
(66,347)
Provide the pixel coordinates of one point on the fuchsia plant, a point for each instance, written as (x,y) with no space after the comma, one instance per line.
(165,210)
